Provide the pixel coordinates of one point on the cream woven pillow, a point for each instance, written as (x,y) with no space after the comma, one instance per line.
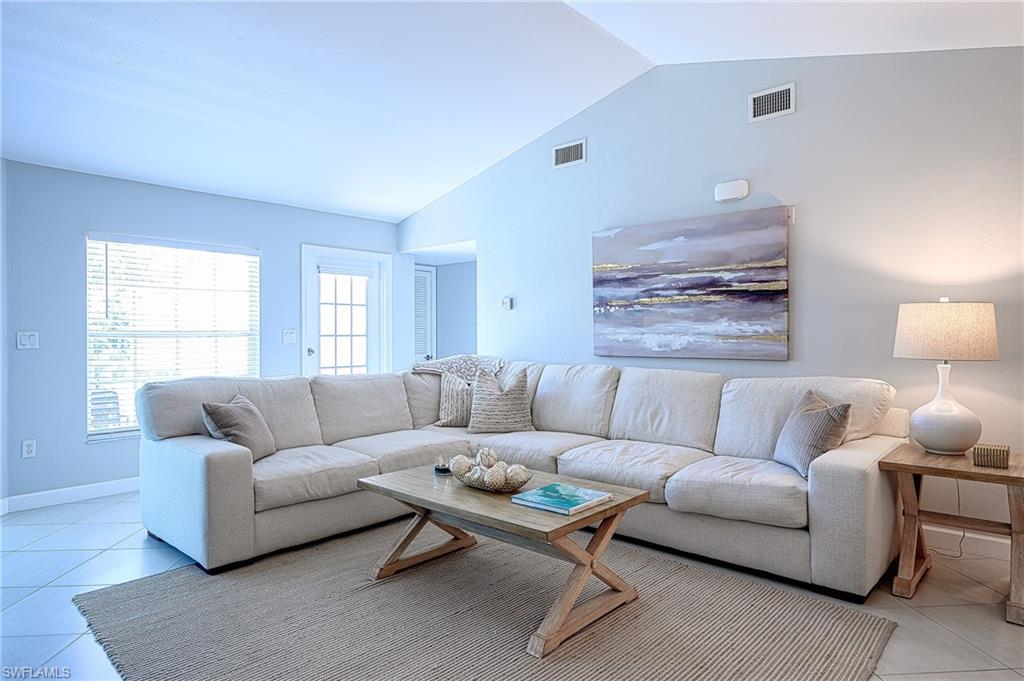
(241,422)
(456,401)
(500,409)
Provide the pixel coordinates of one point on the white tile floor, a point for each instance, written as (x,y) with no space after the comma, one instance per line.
(49,555)
(953,629)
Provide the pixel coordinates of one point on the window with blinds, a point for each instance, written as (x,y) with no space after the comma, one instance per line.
(424,328)
(158,311)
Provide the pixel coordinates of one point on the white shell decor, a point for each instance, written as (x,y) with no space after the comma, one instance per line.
(486,457)
(495,476)
(517,474)
(489,473)
(476,474)
(460,465)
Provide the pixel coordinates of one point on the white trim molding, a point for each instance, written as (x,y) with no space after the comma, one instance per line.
(64,495)
(947,540)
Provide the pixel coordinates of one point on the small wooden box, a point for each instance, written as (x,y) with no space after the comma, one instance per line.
(992,456)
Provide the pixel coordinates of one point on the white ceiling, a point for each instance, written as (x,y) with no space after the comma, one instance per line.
(377,109)
(370,109)
(684,32)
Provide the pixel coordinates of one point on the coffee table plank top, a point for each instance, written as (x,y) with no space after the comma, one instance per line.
(420,487)
(911,458)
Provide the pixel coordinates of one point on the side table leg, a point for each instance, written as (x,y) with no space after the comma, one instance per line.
(1015,599)
(914,558)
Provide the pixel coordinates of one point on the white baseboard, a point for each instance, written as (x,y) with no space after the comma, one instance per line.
(25,502)
(947,540)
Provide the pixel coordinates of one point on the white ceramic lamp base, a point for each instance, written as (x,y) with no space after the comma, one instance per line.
(944,426)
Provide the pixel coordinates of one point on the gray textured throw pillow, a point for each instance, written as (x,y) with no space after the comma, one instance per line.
(456,401)
(813,428)
(500,409)
(241,422)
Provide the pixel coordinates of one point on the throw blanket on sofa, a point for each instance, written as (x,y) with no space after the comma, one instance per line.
(463,366)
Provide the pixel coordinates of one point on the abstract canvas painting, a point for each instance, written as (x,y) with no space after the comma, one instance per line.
(712,287)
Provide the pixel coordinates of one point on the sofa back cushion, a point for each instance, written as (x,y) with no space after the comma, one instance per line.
(357,406)
(533,371)
(895,423)
(754,410)
(175,408)
(667,406)
(575,398)
(424,392)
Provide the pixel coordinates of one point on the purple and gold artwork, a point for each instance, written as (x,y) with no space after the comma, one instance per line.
(711,287)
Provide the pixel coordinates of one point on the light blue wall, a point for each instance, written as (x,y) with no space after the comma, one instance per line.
(905,171)
(48,214)
(456,308)
(4,337)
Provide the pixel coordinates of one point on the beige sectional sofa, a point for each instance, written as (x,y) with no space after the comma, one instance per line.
(702,445)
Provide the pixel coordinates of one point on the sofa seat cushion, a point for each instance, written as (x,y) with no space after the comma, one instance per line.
(641,465)
(738,488)
(291,476)
(538,450)
(460,432)
(402,449)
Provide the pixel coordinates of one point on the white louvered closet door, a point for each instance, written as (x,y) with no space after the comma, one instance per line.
(424,301)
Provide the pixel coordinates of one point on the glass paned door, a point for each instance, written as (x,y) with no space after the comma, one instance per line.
(344,341)
(345,311)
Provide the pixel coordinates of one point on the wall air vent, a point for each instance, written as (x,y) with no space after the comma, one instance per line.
(772,103)
(569,154)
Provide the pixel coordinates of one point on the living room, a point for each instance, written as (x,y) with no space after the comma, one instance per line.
(307,303)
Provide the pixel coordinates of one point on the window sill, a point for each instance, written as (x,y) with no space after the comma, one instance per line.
(98,438)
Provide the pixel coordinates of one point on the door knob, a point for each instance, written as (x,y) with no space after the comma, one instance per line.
(310,352)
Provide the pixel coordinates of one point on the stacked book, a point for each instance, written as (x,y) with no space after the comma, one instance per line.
(561,498)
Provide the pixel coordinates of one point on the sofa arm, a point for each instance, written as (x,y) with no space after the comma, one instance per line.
(852,515)
(197,495)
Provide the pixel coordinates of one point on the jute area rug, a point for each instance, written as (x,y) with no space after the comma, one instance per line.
(313,614)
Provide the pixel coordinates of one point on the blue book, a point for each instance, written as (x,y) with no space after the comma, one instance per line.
(561,498)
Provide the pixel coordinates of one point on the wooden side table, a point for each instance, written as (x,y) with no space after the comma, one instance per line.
(909,463)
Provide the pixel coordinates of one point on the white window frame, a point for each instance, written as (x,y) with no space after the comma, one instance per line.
(431,271)
(343,261)
(134,432)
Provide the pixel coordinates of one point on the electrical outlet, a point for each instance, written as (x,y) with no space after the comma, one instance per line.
(28,449)
(288,336)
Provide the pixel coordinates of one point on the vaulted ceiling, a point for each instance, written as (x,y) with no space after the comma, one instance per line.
(377,109)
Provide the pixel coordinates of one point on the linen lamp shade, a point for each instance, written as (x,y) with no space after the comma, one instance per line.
(946,331)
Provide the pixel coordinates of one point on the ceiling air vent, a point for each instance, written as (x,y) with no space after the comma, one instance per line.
(569,154)
(772,103)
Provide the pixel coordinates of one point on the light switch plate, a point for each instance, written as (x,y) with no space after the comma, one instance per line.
(28,340)
(288,337)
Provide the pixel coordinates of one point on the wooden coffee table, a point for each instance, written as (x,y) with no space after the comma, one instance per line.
(909,462)
(451,506)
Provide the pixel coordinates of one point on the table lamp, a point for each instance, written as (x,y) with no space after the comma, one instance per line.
(946,331)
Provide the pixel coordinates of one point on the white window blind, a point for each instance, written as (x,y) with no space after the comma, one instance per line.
(158,312)
(423,309)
